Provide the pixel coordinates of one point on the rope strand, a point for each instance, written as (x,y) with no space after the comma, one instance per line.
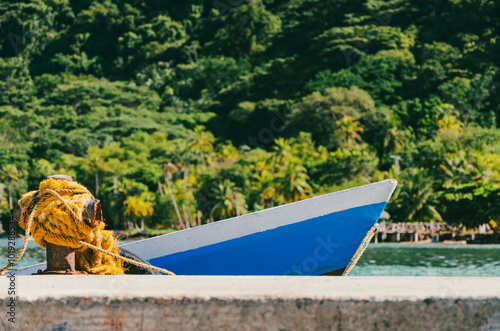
(361,249)
(123,258)
(25,243)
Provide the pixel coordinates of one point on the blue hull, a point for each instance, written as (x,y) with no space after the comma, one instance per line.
(311,247)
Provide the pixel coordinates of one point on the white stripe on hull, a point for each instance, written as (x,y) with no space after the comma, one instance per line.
(272,218)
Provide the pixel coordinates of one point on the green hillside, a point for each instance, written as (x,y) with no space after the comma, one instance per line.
(235,106)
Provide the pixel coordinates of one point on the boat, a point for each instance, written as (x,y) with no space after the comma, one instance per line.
(316,236)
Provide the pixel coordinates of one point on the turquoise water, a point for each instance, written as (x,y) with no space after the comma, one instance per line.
(378,259)
(34,253)
(429,260)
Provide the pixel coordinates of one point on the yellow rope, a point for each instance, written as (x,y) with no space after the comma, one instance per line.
(25,244)
(136,263)
(64,227)
(361,249)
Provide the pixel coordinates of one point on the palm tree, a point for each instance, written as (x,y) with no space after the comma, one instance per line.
(265,187)
(416,199)
(183,190)
(449,122)
(396,138)
(202,140)
(486,165)
(229,153)
(347,131)
(229,201)
(284,152)
(9,174)
(96,165)
(292,183)
(467,167)
(137,207)
(170,168)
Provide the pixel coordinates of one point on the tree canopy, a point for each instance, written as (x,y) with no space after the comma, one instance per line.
(187,112)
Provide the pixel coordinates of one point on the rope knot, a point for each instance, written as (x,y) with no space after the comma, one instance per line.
(55,213)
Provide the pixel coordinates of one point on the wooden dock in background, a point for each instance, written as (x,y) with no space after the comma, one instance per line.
(420,229)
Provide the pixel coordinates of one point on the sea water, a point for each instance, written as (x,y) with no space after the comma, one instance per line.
(429,260)
(378,259)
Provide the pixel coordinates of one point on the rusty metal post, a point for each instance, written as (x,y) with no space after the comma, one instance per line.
(60,260)
(92,213)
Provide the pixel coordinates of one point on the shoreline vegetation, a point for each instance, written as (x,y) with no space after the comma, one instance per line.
(186,113)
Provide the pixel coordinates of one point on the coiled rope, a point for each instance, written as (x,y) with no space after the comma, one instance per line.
(96,249)
(361,249)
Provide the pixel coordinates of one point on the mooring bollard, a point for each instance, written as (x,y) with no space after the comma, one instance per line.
(64,233)
(61,259)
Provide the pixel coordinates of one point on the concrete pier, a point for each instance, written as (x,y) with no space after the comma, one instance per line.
(251,303)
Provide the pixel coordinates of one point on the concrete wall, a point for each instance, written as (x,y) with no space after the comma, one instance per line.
(252,303)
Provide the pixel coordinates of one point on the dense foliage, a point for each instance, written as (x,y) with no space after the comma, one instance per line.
(193,111)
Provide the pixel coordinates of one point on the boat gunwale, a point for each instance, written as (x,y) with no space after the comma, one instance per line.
(249,223)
